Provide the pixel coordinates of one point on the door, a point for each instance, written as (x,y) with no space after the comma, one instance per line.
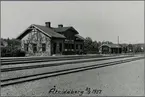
(54,48)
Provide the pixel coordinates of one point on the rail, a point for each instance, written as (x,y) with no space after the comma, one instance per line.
(62,72)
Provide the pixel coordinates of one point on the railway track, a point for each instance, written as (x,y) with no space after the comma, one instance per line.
(24,60)
(23,79)
(32,66)
(15,61)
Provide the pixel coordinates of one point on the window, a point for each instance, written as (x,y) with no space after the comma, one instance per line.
(60,47)
(105,48)
(26,47)
(72,46)
(76,46)
(66,46)
(43,47)
(81,46)
(69,46)
(34,48)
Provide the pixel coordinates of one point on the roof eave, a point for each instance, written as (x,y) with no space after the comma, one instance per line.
(75,30)
(19,36)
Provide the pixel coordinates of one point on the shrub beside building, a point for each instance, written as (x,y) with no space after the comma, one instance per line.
(11,48)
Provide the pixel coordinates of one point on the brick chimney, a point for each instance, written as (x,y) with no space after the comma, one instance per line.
(48,24)
(60,26)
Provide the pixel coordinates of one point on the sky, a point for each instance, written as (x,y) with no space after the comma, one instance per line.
(100,20)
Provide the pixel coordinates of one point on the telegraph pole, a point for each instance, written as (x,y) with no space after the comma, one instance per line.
(118,39)
(118,43)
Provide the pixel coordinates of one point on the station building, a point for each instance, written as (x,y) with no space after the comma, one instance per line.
(47,40)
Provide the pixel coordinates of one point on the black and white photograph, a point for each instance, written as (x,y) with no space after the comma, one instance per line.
(72,48)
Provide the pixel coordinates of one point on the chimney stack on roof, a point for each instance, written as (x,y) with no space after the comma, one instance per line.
(48,24)
(60,26)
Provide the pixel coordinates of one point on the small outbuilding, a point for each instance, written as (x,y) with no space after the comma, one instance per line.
(110,49)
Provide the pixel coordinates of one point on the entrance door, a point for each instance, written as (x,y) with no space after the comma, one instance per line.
(34,48)
(54,48)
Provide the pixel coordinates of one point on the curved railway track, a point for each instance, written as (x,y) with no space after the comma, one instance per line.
(28,78)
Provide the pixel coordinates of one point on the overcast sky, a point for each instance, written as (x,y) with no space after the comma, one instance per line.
(100,20)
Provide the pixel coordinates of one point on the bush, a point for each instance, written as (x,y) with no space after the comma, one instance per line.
(92,52)
(68,53)
(11,52)
(18,53)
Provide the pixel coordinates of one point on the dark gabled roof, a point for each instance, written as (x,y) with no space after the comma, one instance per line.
(24,33)
(45,30)
(112,45)
(63,29)
(49,31)
(141,44)
(80,37)
(124,45)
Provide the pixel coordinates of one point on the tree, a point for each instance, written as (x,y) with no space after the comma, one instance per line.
(87,43)
(95,46)
(91,46)
(12,49)
(13,42)
(107,42)
(138,48)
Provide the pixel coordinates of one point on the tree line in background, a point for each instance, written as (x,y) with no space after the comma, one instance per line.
(92,47)
(12,47)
